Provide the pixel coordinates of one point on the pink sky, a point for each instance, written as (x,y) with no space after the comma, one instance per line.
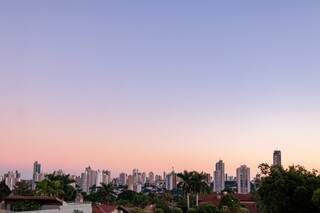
(138,84)
(73,144)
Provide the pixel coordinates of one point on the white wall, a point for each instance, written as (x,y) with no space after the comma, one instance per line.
(67,208)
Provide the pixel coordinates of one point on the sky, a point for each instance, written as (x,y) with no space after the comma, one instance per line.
(158,84)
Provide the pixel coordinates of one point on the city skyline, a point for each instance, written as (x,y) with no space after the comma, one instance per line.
(121,85)
(217,174)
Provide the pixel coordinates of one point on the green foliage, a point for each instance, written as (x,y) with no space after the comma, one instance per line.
(243,210)
(23,188)
(56,185)
(198,183)
(20,206)
(288,190)
(230,201)
(50,188)
(192,210)
(182,203)
(176,210)
(162,202)
(132,198)
(185,183)
(127,195)
(102,194)
(157,210)
(231,204)
(70,192)
(316,198)
(137,210)
(207,208)
(193,182)
(4,190)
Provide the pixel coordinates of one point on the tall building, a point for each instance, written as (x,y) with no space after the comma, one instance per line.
(106,176)
(36,175)
(158,178)
(171,181)
(137,187)
(130,182)
(11,178)
(99,178)
(151,178)
(59,172)
(143,178)
(219,177)
(208,178)
(136,176)
(123,179)
(89,179)
(243,179)
(277,158)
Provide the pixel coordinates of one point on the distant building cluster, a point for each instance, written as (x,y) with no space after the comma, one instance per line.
(141,181)
(11,178)
(90,178)
(242,182)
(134,181)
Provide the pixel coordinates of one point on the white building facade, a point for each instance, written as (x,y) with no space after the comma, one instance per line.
(219,177)
(243,179)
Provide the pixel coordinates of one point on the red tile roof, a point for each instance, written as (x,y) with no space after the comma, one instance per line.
(103,208)
(245,199)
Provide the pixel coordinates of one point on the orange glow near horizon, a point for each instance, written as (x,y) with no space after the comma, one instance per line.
(69,147)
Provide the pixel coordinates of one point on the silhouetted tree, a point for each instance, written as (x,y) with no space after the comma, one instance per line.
(288,190)
(50,188)
(4,190)
(185,184)
(23,188)
(199,184)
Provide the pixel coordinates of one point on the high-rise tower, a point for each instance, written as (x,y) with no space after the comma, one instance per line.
(243,179)
(219,176)
(277,158)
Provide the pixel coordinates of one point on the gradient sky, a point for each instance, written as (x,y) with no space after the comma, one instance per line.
(156,84)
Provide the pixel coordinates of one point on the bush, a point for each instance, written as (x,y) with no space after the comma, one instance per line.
(158,210)
(182,204)
(137,210)
(316,198)
(207,208)
(192,210)
(21,206)
(162,204)
(244,210)
(176,210)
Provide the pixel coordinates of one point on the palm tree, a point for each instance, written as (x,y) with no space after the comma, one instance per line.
(50,188)
(22,188)
(185,184)
(198,184)
(69,190)
(106,193)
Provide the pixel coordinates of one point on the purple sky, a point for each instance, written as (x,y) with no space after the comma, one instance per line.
(155,84)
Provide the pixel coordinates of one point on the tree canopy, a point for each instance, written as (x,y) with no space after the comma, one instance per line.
(4,190)
(288,190)
(23,188)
